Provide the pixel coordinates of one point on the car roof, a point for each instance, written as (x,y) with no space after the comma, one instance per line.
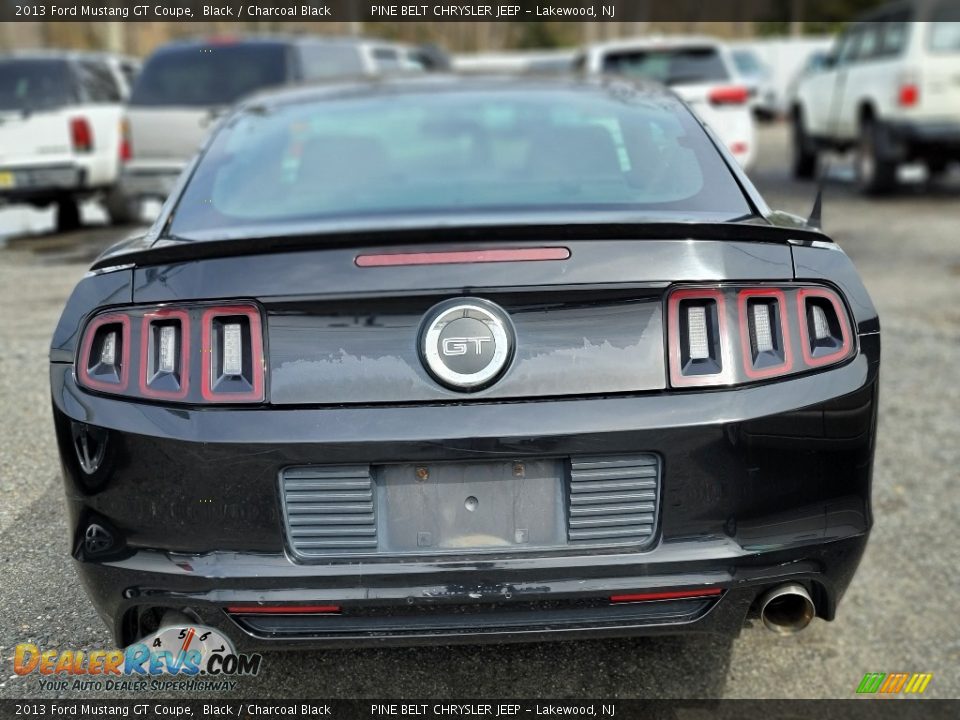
(67,55)
(657,41)
(270,39)
(614,87)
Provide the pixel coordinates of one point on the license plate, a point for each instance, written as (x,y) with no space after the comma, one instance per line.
(453,506)
(7,180)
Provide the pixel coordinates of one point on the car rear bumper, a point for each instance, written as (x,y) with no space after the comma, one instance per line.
(40,182)
(150,180)
(927,136)
(759,486)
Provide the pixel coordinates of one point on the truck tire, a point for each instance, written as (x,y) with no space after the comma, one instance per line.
(121,209)
(876,173)
(804,150)
(68,215)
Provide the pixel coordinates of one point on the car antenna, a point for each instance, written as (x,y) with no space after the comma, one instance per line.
(815,219)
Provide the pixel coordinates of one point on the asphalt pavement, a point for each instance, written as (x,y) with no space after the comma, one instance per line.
(899,614)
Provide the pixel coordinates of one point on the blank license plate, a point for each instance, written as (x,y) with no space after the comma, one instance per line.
(452,506)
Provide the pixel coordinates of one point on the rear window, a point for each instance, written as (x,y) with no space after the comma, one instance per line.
(945,36)
(457,152)
(29,85)
(748,63)
(209,75)
(671,66)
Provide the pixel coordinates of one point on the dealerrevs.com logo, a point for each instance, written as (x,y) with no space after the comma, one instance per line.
(174,657)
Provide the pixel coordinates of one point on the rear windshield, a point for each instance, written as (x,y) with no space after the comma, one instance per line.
(671,66)
(209,75)
(458,152)
(29,85)
(748,63)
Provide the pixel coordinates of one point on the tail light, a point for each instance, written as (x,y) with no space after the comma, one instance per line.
(81,135)
(729,95)
(232,354)
(732,334)
(126,149)
(194,354)
(104,362)
(908,88)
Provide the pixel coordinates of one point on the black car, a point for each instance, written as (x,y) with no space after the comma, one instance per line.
(438,359)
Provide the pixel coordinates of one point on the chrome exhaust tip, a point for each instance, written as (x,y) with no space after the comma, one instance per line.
(787,609)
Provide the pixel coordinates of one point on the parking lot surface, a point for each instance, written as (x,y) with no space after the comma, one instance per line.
(899,614)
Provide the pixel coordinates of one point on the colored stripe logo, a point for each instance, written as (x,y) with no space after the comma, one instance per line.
(893,683)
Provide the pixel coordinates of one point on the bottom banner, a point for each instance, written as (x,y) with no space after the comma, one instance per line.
(861,709)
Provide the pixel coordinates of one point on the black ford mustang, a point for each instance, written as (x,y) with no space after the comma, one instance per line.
(467,359)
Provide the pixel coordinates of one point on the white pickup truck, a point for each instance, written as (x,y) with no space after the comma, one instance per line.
(889,90)
(62,131)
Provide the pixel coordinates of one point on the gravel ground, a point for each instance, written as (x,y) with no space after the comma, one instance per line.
(897,616)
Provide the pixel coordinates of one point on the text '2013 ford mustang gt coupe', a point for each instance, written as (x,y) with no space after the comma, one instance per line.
(438,359)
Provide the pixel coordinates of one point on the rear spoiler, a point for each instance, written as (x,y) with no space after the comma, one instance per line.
(172,250)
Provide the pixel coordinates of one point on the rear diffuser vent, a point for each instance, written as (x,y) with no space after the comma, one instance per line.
(613,499)
(329,510)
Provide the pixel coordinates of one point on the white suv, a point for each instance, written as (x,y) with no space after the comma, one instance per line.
(62,131)
(889,90)
(699,70)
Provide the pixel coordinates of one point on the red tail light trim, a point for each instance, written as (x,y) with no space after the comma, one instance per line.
(145,332)
(846,339)
(256,393)
(81,134)
(743,299)
(666,595)
(677,378)
(729,95)
(463,256)
(284,609)
(126,149)
(83,361)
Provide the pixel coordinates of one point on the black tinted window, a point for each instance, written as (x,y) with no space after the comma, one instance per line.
(98,82)
(386,58)
(209,75)
(869,41)
(669,65)
(36,84)
(329,61)
(456,152)
(893,38)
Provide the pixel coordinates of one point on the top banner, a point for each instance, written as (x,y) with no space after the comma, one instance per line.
(385,11)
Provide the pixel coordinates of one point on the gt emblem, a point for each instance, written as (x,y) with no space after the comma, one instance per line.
(466,344)
(460,345)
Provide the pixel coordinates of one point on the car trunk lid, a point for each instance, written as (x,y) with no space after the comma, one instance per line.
(341,333)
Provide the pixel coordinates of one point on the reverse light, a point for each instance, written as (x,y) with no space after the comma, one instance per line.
(232,351)
(697,341)
(81,135)
(729,334)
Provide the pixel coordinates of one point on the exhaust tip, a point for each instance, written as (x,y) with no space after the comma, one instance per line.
(787,609)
